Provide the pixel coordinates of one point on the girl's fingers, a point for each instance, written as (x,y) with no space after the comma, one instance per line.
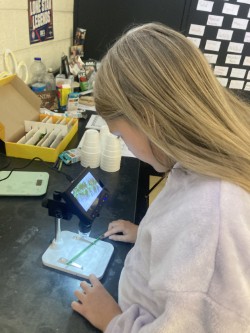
(94,281)
(119,238)
(117,223)
(113,230)
(76,306)
(80,295)
(85,285)
(113,224)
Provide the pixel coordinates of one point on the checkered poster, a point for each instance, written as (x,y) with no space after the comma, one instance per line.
(221,29)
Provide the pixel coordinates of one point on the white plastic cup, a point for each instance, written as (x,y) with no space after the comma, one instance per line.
(87,155)
(90,159)
(112,157)
(112,140)
(92,164)
(91,137)
(110,163)
(91,149)
(91,142)
(111,153)
(115,147)
(112,146)
(104,131)
(109,168)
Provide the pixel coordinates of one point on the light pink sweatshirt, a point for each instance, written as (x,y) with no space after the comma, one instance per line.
(189,271)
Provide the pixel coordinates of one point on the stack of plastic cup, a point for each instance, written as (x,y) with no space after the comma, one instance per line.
(111,154)
(91,149)
(104,131)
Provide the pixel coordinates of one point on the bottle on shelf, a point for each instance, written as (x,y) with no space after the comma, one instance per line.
(38,75)
(50,80)
(84,84)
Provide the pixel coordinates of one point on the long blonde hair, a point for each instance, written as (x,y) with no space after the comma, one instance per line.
(158,80)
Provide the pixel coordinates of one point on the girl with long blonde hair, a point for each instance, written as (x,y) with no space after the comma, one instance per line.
(189,270)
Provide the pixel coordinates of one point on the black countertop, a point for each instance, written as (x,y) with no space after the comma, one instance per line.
(35,298)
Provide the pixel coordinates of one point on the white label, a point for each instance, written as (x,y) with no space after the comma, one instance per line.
(247,37)
(221,70)
(205,6)
(244,1)
(239,23)
(223,81)
(224,34)
(238,72)
(230,9)
(211,58)
(236,84)
(196,29)
(247,86)
(196,41)
(212,45)
(246,61)
(235,47)
(215,20)
(233,59)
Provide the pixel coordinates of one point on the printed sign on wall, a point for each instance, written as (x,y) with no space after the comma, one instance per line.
(40,20)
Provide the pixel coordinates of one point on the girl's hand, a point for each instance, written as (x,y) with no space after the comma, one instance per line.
(127,230)
(95,303)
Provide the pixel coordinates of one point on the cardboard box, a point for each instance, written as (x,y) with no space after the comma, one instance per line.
(17,104)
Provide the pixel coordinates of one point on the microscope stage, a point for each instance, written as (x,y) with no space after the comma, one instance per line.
(94,261)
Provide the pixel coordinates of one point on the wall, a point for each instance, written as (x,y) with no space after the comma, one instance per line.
(107,20)
(221,29)
(14,33)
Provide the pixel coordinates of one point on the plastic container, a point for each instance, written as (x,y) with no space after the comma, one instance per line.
(73,99)
(84,84)
(50,80)
(38,75)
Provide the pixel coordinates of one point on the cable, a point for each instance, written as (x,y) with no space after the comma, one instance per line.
(68,177)
(155,185)
(7,163)
(161,179)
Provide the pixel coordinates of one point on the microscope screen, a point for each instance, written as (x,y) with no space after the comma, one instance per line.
(86,191)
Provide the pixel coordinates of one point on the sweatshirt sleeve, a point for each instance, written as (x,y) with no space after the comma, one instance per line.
(193,312)
(130,321)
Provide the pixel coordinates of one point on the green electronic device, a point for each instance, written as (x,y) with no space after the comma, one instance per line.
(23,183)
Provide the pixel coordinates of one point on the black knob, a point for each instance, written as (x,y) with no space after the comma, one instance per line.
(45,203)
(57,196)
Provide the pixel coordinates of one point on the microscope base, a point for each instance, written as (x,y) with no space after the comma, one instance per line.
(94,261)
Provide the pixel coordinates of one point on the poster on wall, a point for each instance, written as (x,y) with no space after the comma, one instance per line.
(40,20)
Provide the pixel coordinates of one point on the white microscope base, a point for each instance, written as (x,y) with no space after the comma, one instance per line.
(93,261)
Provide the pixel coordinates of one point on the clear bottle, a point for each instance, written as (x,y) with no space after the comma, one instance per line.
(38,75)
(50,80)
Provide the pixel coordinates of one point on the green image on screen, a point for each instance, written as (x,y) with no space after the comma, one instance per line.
(86,191)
